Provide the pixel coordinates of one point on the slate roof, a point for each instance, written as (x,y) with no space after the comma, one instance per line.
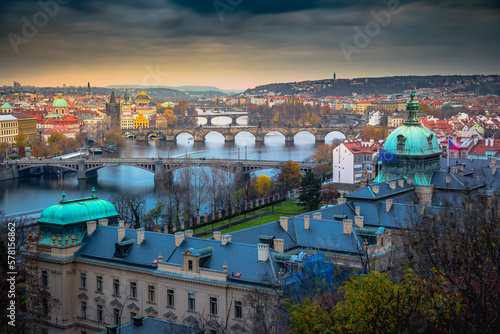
(238,257)
(384,190)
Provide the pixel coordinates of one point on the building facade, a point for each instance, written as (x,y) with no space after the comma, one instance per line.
(8,129)
(352,159)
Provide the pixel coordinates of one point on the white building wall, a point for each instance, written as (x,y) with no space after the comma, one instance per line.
(343,165)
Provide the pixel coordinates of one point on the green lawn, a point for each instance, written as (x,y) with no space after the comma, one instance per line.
(286,206)
(251,223)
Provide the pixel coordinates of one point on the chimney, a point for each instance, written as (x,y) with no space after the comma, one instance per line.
(493,170)
(103,222)
(188,233)
(279,245)
(306,222)
(121,231)
(359,221)
(137,321)
(357,209)
(401,183)
(493,160)
(388,205)
(179,238)
(284,223)
(392,185)
(454,170)
(225,239)
(91,227)
(461,167)
(375,189)
(347,226)
(341,200)
(111,329)
(408,181)
(422,207)
(140,235)
(317,215)
(217,235)
(263,252)
(448,179)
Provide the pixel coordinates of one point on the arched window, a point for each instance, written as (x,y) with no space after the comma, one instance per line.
(429,140)
(401,142)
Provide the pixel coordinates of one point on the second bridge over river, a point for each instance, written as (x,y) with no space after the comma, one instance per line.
(159,166)
(199,133)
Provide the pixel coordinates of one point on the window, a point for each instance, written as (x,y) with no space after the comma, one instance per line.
(45,279)
(213,305)
(401,142)
(84,281)
(170,298)
(133,290)
(238,309)
(45,307)
(191,302)
(116,316)
(100,317)
(99,283)
(151,293)
(84,310)
(116,286)
(190,264)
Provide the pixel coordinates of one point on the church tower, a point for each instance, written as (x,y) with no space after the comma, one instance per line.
(410,151)
(113,111)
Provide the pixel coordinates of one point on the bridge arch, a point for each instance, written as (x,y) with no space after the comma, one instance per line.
(310,134)
(243,131)
(189,132)
(334,134)
(219,134)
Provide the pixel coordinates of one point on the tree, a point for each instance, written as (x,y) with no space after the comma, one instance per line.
(324,153)
(310,192)
(155,214)
(264,185)
(424,108)
(457,251)
(115,137)
(22,140)
(171,118)
(289,176)
(371,132)
(322,170)
(131,208)
(81,138)
(329,193)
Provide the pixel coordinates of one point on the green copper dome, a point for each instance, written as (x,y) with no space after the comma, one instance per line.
(77,211)
(7,105)
(59,102)
(412,138)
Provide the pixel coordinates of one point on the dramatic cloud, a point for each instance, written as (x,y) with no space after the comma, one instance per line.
(242,43)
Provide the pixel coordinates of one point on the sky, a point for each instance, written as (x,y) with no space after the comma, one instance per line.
(239,44)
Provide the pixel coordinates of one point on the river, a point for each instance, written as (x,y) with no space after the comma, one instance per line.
(31,195)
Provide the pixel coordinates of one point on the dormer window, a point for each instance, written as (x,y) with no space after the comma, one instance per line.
(190,265)
(401,142)
(429,139)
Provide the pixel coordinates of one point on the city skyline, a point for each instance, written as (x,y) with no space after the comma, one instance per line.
(239,44)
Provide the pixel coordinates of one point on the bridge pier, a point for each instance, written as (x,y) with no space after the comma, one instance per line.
(83,173)
(170,138)
(158,170)
(289,138)
(259,138)
(319,138)
(15,170)
(229,138)
(199,137)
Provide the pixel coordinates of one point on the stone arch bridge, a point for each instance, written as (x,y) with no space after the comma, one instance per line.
(229,133)
(160,167)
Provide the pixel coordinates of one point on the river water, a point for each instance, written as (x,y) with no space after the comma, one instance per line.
(31,195)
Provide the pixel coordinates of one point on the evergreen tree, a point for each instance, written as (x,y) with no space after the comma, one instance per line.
(310,191)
